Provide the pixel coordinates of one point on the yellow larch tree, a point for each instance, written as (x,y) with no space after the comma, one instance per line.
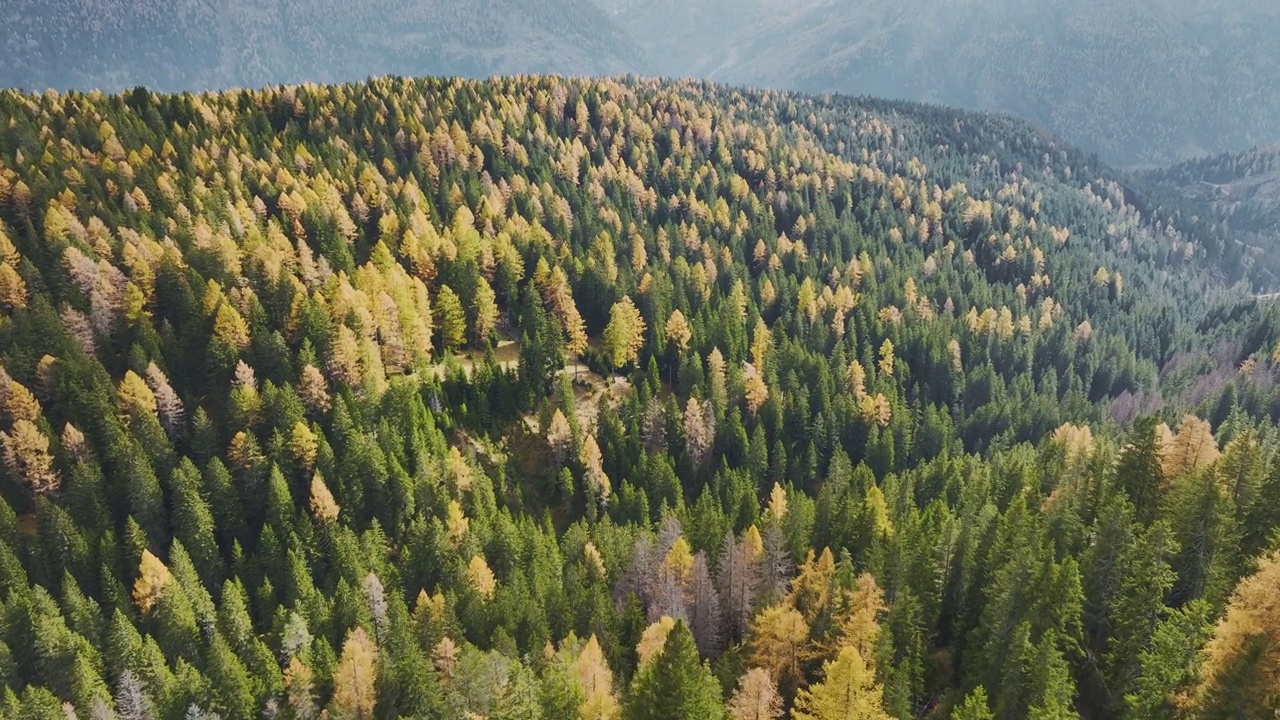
(591,670)
(856,380)
(593,469)
(653,639)
(812,587)
(153,578)
(677,331)
(481,577)
(135,396)
(778,637)
(354,692)
(24,450)
(679,559)
(761,341)
(848,691)
(886,358)
(624,335)
(858,617)
(1242,660)
(1192,447)
(456,522)
(1075,440)
(756,391)
(323,506)
(756,698)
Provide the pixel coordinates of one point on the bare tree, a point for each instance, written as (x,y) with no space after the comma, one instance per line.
(131,698)
(703,601)
(739,580)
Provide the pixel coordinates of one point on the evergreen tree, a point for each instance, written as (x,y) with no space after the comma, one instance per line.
(675,685)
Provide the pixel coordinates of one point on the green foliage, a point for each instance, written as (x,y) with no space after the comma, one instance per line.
(248,449)
(675,685)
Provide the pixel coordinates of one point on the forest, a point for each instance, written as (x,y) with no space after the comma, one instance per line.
(535,398)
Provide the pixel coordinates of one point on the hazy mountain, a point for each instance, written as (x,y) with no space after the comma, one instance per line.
(1235,195)
(201,44)
(1143,83)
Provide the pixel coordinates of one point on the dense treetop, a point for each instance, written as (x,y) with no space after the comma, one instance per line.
(539,398)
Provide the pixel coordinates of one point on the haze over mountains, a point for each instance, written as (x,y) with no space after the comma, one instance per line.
(1143,84)
(199,45)
(1232,195)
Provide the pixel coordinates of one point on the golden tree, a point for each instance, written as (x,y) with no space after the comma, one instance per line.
(458,470)
(559,436)
(486,311)
(230,327)
(624,335)
(677,331)
(679,559)
(1076,440)
(25,452)
(653,639)
(354,691)
(1191,448)
(856,380)
(313,389)
(778,637)
(300,689)
(593,468)
(886,358)
(153,579)
(593,676)
(451,320)
(481,577)
(456,522)
(594,560)
(755,389)
(323,506)
(1242,660)
(699,431)
(776,510)
(876,409)
(756,698)
(761,341)
(303,446)
(848,691)
(858,619)
(812,588)
(13,288)
(134,395)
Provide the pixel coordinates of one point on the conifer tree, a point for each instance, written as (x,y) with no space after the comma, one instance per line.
(624,335)
(675,685)
(848,690)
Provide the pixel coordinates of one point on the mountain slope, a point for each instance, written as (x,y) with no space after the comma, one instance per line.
(1235,196)
(1141,83)
(540,398)
(196,45)
(1144,84)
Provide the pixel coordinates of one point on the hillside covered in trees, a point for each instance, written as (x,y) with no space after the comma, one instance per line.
(1235,195)
(1142,83)
(537,398)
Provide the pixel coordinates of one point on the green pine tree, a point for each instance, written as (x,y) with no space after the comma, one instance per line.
(675,685)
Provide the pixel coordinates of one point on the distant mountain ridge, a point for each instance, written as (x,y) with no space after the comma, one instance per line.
(198,44)
(1238,196)
(1143,84)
